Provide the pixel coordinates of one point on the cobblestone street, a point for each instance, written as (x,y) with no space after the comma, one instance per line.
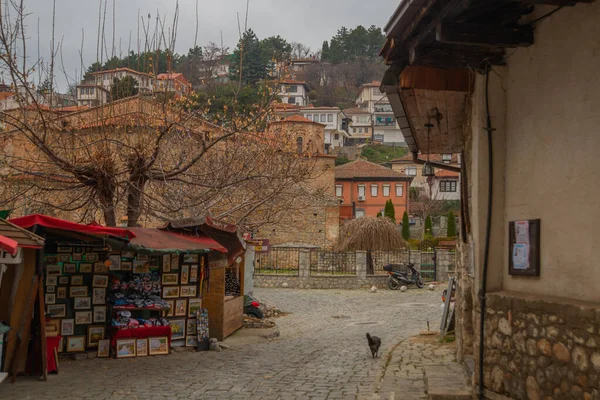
(322,353)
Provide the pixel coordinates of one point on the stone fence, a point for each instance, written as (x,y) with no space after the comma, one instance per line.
(322,269)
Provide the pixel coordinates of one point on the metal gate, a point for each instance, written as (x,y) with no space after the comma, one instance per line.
(428,261)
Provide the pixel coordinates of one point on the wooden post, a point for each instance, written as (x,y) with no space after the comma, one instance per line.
(42,313)
(20,348)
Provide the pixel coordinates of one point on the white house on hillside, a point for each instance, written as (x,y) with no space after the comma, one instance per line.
(386,130)
(332,118)
(293,92)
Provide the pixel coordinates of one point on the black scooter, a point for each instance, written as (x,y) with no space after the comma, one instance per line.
(397,279)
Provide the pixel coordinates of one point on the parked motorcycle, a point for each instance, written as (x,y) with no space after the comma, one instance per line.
(399,278)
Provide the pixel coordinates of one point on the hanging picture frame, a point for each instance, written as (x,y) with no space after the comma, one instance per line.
(67,327)
(166,263)
(85,268)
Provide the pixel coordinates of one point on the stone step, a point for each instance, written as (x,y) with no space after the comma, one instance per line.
(447,381)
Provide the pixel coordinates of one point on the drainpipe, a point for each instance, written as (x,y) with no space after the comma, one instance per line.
(486,256)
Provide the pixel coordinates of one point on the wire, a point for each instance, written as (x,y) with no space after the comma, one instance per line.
(545,15)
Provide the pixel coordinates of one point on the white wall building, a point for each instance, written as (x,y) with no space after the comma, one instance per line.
(92,95)
(386,130)
(332,118)
(294,92)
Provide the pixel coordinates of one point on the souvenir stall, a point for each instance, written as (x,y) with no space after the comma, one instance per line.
(222,295)
(76,266)
(20,299)
(181,261)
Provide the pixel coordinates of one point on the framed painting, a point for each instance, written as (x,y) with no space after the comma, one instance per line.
(83,317)
(170,279)
(188,291)
(94,335)
(98,296)
(158,345)
(166,263)
(141,347)
(69,268)
(185,274)
(61,292)
(170,292)
(51,280)
(63,258)
(64,249)
(92,257)
(63,280)
(77,280)
(191,341)
(85,268)
(125,265)
(75,344)
(100,268)
(103,348)
(125,348)
(180,307)
(99,314)
(67,327)
(177,328)
(171,310)
(53,269)
(193,306)
(57,310)
(82,303)
(190,258)
(78,291)
(194,273)
(100,281)
(50,298)
(115,262)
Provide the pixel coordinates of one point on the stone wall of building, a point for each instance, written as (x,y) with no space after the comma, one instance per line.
(542,348)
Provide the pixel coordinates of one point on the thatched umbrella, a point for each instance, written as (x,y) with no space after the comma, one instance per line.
(370,234)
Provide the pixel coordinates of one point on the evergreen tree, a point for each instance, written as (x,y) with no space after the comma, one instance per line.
(125,87)
(379,215)
(451,228)
(255,63)
(325,51)
(389,211)
(405,226)
(45,86)
(428,226)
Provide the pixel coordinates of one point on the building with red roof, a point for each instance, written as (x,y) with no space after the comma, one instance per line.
(365,187)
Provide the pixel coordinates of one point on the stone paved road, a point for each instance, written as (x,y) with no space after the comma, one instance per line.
(322,353)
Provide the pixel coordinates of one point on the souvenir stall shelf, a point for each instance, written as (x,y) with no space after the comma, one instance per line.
(20,299)
(136,309)
(222,291)
(182,263)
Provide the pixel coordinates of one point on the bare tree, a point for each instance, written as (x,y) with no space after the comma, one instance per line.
(146,159)
(300,50)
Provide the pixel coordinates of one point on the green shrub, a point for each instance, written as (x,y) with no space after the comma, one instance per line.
(405,226)
(389,211)
(451,226)
(428,226)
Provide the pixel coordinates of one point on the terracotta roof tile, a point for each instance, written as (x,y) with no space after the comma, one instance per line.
(366,169)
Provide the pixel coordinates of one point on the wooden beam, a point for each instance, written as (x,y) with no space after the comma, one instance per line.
(458,58)
(484,35)
(439,9)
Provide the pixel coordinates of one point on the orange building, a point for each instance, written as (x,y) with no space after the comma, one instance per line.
(365,187)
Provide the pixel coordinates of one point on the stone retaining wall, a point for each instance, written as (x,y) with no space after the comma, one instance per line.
(320,282)
(541,348)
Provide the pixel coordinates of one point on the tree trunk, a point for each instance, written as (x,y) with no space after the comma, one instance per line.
(370,264)
(108,209)
(135,198)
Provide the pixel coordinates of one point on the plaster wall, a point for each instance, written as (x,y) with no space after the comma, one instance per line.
(552,145)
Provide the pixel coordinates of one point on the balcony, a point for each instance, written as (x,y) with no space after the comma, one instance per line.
(385,122)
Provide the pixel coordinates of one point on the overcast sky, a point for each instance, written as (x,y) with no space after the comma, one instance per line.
(306,21)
